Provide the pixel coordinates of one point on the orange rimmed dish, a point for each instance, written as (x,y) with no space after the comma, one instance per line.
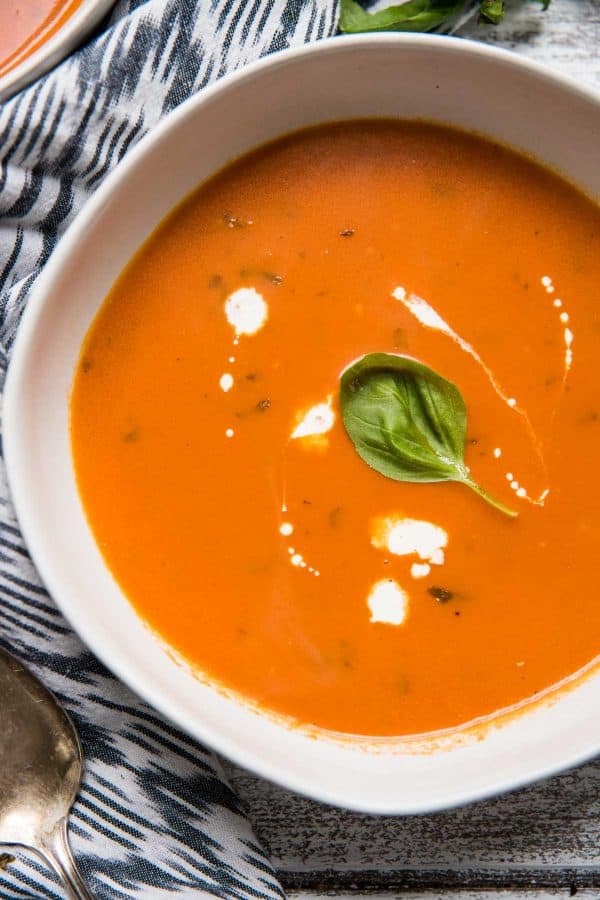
(36,34)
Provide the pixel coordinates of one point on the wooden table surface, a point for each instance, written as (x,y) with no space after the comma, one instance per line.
(541,842)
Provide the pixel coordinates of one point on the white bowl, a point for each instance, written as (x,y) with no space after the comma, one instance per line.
(56,47)
(441,79)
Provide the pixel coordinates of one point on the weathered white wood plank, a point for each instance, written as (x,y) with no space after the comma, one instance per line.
(453,895)
(547,835)
(565,37)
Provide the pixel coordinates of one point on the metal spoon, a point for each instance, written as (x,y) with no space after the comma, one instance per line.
(40,772)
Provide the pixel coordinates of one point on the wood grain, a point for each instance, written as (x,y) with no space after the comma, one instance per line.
(550,894)
(545,835)
(565,37)
(545,838)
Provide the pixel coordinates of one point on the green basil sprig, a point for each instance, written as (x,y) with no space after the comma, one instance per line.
(407,422)
(414,15)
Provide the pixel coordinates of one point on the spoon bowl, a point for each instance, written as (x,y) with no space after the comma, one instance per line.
(41,763)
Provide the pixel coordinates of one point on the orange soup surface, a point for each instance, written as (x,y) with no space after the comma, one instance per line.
(221,485)
(26,24)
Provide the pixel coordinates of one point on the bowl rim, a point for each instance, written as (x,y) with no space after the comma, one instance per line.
(52,51)
(17,477)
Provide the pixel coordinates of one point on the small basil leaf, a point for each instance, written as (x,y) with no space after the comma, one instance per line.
(414,15)
(407,422)
(492,11)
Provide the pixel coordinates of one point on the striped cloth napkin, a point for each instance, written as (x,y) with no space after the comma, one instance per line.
(155,816)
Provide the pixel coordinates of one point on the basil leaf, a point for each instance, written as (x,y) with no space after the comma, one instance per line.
(407,422)
(415,15)
(492,11)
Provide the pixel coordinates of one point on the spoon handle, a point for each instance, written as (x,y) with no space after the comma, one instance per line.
(57,853)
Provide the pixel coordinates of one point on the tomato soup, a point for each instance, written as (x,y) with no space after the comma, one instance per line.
(222,487)
(26,24)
